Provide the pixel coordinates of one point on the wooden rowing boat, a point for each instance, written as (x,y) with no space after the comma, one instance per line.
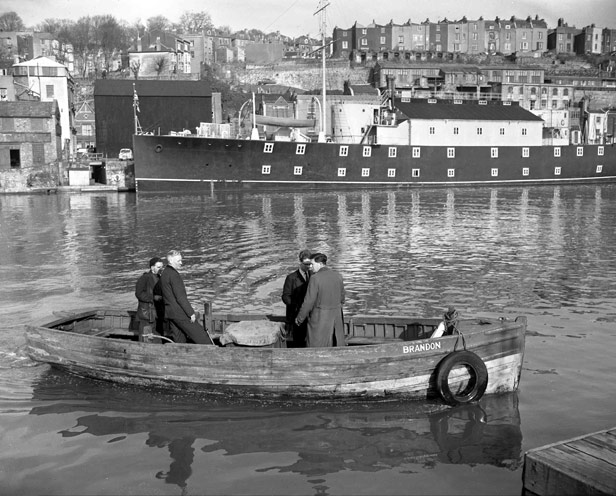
(386,356)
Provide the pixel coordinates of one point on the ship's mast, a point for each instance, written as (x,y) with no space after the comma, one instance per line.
(138,129)
(323,4)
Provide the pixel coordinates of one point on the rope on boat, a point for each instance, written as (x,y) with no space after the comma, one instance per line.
(451,322)
(156,336)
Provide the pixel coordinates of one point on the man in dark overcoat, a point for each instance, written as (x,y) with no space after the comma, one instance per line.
(322,305)
(293,292)
(147,306)
(179,312)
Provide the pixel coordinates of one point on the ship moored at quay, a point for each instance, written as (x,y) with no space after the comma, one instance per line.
(391,144)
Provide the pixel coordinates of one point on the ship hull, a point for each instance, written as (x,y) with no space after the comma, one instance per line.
(186,163)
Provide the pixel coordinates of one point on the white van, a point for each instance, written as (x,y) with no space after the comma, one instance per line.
(125,154)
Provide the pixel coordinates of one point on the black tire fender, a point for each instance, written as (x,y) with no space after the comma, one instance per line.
(477,384)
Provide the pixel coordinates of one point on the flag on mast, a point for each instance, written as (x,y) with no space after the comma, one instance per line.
(135,99)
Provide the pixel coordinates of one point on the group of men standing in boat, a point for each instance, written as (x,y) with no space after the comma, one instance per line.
(313,295)
(163,303)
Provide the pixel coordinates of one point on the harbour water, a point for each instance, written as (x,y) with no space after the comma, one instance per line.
(544,252)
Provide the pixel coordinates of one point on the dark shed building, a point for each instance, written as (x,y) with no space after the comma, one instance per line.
(164,106)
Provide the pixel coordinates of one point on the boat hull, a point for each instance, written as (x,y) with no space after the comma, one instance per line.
(185,163)
(393,366)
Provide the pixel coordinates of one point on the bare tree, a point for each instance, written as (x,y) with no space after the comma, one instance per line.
(83,40)
(55,26)
(110,37)
(158,23)
(195,22)
(135,65)
(160,63)
(10,21)
(136,30)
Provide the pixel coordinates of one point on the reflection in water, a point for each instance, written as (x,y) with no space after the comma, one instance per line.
(326,438)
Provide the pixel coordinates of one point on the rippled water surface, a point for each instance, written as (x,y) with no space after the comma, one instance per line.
(543,252)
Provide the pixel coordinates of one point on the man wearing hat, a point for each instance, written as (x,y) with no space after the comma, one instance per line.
(147,297)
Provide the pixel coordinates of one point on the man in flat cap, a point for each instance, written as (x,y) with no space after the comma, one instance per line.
(147,297)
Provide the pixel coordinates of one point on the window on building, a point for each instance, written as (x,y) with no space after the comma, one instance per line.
(300,149)
(494,152)
(266,169)
(415,172)
(383,40)
(525,152)
(15,158)
(49,90)
(4,94)
(341,172)
(524,131)
(456,130)
(451,152)
(431,130)
(416,152)
(525,171)
(344,151)
(364,42)
(479,130)
(391,172)
(297,170)
(451,173)
(268,147)
(365,172)
(87,130)
(367,151)
(393,152)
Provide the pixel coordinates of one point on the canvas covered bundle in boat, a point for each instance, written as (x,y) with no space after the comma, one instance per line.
(254,333)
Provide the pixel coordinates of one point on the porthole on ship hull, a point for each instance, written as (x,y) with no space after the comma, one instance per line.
(158,149)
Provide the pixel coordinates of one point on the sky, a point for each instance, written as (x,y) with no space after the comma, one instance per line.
(296,17)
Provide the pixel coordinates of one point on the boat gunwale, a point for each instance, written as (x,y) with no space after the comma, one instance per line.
(495,326)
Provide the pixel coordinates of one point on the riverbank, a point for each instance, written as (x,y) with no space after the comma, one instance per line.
(54,190)
(89,176)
